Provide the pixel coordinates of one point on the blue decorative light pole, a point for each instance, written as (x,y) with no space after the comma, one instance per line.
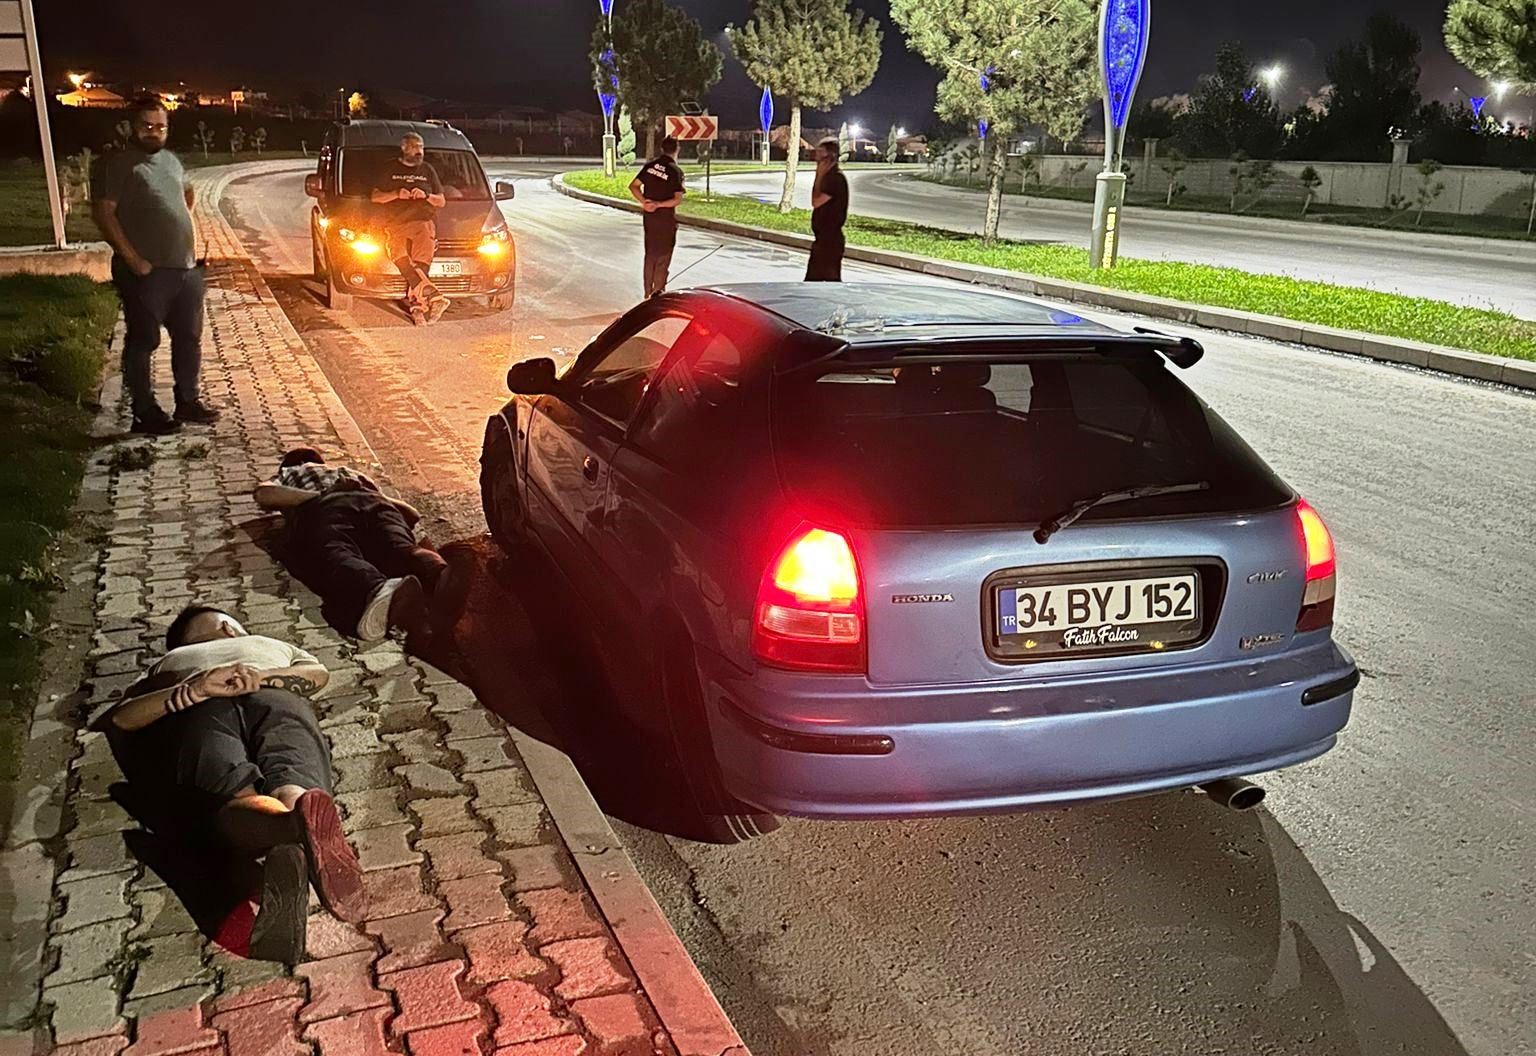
(609,99)
(765,117)
(1478,102)
(1124,29)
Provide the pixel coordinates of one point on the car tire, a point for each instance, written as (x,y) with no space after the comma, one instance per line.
(318,267)
(503,506)
(500,302)
(337,299)
(721,817)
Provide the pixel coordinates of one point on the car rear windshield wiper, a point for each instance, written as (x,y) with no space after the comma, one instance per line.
(1051,525)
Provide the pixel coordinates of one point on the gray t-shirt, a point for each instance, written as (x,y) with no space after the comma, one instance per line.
(150,192)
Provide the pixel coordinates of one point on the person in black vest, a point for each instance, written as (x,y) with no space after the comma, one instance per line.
(659,190)
(829,212)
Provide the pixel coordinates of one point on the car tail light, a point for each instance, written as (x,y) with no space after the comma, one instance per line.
(810,609)
(1322,580)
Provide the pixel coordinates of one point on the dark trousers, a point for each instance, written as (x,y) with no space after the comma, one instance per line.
(826,263)
(660,240)
(344,545)
(190,764)
(167,297)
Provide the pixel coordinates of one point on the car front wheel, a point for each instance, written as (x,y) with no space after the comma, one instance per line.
(499,499)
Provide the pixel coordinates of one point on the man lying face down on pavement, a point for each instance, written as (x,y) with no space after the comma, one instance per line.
(357,549)
(219,730)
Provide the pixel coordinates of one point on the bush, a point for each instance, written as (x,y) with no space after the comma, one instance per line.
(51,332)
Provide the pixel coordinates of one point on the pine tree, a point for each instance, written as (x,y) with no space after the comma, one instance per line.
(661,59)
(1495,39)
(1007,62)
(812,52)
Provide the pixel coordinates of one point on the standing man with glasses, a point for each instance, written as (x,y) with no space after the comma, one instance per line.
(142,203)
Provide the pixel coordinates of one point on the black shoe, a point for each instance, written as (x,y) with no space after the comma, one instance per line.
(156,423)
(282,922)
(197,411)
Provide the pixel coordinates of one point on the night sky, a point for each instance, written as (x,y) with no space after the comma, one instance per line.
(533,52)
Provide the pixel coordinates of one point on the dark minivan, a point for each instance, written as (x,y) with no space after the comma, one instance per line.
(476,256)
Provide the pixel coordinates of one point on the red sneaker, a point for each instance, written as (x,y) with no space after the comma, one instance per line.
(333,868)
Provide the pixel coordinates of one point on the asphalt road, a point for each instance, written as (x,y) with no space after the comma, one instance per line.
(1383,902)
(1480,272)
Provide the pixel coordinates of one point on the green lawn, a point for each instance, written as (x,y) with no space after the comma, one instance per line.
(53,341)
(1346,307)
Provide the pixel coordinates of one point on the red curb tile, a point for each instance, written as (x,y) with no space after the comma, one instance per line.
(523,1014)
(263,1030)
(455,857)
(497,952)
(109,1046)
(474,900)
(428,997)
(559,914)
(567,1045)
(411,940)
(261,993)
(535,867)
(588,967)
(339,985)
(360,1034)
(170,1033)
(457,1039)
(392,892)
(613,1020)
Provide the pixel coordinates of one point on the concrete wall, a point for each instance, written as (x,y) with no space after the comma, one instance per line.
(1469,191)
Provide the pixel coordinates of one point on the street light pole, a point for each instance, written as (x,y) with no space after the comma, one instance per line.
(609,99)
(1124,28)
(765,116)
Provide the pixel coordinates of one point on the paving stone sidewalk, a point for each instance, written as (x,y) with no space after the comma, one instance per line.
(483,937)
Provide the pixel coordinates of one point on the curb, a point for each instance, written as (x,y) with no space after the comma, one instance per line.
(1473,365)
(684,1003)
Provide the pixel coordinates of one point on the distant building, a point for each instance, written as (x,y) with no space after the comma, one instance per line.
(94,97)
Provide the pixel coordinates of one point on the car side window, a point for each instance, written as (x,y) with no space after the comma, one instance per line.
(616,383)
(696,405)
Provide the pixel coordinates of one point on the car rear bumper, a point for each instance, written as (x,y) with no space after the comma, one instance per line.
(785,742)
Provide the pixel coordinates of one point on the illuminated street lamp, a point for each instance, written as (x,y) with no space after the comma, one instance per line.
(1124,28)
(77,79)
(765,118)
(1271,76)
(1499,88)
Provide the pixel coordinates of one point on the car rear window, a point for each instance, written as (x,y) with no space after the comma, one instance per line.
(946,442)
(362,169)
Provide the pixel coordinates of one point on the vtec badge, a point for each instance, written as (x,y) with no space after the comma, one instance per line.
(1272,576)
(1259,641)
(919,599)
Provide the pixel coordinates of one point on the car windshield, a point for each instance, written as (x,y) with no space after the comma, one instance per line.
(949,442)
(362,171)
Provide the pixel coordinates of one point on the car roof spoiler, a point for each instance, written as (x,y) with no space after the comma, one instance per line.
(806,348)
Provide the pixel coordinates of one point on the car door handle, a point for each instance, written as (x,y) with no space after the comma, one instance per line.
(589,468)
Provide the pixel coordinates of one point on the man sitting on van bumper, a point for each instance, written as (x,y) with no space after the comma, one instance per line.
(409,194)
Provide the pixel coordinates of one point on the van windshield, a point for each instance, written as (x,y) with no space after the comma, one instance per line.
(362,170)
(927,442)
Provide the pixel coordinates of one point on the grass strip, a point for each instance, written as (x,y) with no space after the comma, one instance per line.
(53,341)
(1320,303)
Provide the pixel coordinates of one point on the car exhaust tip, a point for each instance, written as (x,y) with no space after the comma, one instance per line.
(1234,793)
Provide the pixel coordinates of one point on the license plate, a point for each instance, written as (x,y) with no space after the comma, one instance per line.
(444,268)
(1130,614)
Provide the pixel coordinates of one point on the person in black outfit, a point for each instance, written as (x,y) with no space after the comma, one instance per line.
(410,193)
(829,212)
(659,190)
(357,549)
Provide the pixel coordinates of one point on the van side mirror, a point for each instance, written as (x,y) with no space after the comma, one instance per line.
(532,377)
(312,185)
(505,191)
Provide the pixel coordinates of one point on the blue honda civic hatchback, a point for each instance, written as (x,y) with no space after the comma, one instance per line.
(864,551)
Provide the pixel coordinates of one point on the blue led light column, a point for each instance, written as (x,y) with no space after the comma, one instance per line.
(765,117)
(608,95)
(1124,29)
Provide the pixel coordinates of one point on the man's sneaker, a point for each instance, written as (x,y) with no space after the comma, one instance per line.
(155,423)
(436,307)
(418,315)
(333,865)
(397,603)
(279,931)
(196,412)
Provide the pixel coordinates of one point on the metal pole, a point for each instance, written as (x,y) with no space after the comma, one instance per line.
(44,131)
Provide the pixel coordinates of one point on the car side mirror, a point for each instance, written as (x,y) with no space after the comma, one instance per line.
(312,185)
(505,190)
(532,377)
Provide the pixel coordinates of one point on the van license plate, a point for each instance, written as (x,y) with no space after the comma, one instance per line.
(441,269)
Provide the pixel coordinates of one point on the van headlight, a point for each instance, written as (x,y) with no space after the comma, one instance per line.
(495,243)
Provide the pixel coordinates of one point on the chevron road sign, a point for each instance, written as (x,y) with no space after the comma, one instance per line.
(701,126)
